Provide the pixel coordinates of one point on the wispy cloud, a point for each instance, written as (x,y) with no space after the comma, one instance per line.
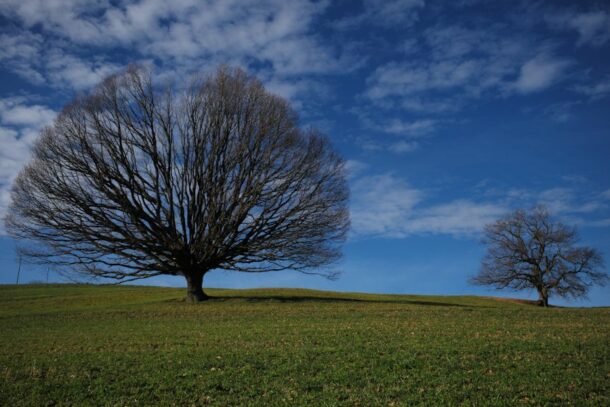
(450,67)
(413,128)
(560,112)
(382,205)
(593,27)
(575,202)
(460,217)
(404,79)
(594,91)
(20,123)
(471,62)
(51,63)
(405,134)
(355,168)
(60,37)
(387,206)
(400,142)
(387,13)
(449,58)
(14,112)
(539,73)
(403,146)
(379,144)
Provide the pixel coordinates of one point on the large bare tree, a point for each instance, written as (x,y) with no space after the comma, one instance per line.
(132,182)
(529,250)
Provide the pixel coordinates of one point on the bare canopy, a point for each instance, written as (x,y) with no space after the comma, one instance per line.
(130,182)
(528,250)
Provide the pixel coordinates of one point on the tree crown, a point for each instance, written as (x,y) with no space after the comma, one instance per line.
(529,250)
(131,182)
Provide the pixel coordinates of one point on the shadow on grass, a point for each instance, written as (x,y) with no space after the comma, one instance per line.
(297,299)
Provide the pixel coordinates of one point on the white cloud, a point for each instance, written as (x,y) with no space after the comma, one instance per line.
(558,200)
(593,27)
(601,223)
(20,124)
(574,204)
(51,63)
(14,151)
(288,89)
(12,112)
(453,64)
(78,73)
(387,206)
(461,217)
(382,205)
(355,167)
(449,66)
(19,52)
(406,131)
(420,104)
(383,145)
(404,146)
(595,91)
(179,35)
(399,79)
(560,112)
(414,128)
(70,18)
(539,73)
(455,41)
(370,144)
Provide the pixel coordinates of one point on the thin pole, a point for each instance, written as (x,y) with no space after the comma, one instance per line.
(47,275)
(19,270)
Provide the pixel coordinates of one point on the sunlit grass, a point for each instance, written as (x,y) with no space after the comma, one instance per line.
(85,345)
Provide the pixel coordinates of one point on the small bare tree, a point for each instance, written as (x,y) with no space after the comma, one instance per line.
(528,250)
(131,182)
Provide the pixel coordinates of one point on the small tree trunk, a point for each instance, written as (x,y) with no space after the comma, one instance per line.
(194,291)
(543,298)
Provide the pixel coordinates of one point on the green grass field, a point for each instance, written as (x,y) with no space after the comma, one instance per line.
(122,345)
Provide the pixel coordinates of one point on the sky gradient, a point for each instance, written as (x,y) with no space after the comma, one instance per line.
(449,114)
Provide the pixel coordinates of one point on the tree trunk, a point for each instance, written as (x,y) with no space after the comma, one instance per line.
(543,298)
(194,291)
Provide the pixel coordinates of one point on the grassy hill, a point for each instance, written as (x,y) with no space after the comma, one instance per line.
(125,345)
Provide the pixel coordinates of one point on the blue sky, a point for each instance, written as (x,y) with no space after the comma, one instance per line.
(450,114)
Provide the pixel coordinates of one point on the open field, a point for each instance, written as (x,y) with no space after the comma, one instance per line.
(100,345)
